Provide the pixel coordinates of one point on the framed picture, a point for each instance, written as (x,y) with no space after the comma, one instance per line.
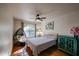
(49,26)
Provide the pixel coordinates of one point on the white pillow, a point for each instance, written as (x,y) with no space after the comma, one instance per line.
(53,36)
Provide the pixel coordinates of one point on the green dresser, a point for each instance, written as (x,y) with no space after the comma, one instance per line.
(68,44)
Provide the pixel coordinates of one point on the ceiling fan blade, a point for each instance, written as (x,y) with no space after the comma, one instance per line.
(39,19)
(31,18)
(43,17)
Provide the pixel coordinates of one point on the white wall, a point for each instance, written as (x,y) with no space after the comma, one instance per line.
(17,24)
(62,23)
(6,31)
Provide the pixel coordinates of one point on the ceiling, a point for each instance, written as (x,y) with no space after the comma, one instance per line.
(29,10)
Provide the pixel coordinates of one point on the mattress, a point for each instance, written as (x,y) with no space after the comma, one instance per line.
(39,44)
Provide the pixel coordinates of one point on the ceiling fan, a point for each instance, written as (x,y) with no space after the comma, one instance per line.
(39,18)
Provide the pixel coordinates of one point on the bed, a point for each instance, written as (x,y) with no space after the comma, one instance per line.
(39,44)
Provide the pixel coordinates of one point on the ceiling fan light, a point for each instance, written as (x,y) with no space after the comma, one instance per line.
(38,20)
